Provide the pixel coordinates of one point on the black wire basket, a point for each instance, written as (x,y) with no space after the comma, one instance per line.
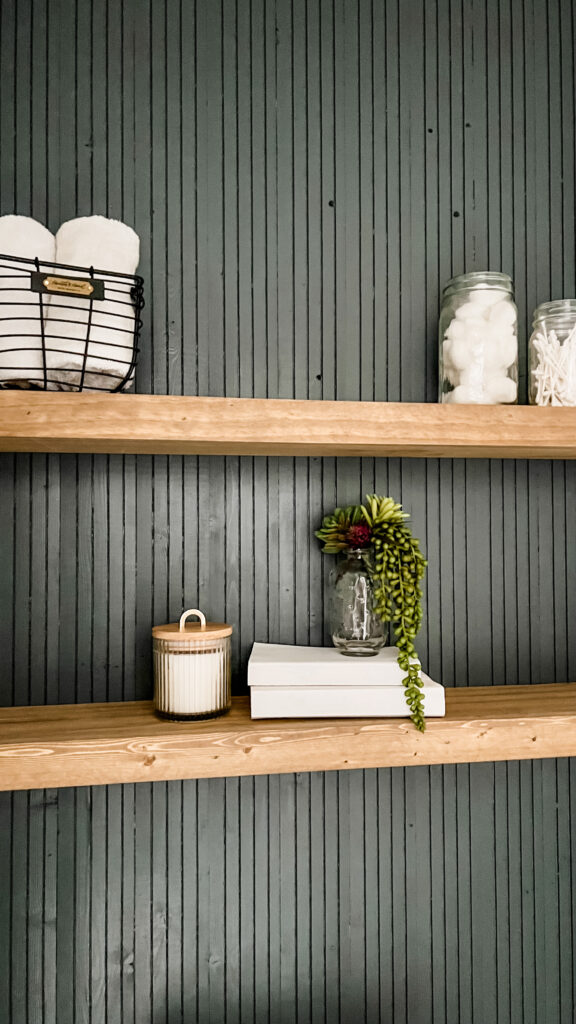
(67,328)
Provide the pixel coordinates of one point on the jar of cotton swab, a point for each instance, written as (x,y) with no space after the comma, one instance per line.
(478,340)
(552,354)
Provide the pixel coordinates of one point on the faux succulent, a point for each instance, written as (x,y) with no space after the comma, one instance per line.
(399,568)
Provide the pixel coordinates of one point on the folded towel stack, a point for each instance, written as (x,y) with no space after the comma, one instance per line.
(88,342)
(91,345)
(21,359)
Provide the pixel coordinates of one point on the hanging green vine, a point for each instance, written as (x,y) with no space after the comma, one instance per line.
(399,568)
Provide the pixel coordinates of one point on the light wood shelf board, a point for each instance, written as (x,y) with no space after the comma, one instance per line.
(159,424)
(94,744)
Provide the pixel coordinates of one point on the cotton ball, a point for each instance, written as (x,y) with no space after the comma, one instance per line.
(469,310)
(449,371)
(499,347)
(488,296)
(473,379)
(503,314)
(509,346)
(505,349)
(502,390)
(468,347)
(474,328)
(492,347)
(451,374)
(456,329)
(463,353)
(446,352)
(463,395)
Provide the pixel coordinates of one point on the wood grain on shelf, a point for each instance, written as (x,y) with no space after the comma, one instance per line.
(92,744)
(158,424)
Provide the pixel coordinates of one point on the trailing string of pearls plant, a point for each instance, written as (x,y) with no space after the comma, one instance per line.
(399,568)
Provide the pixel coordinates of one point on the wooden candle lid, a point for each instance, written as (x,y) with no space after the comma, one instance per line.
(183,631)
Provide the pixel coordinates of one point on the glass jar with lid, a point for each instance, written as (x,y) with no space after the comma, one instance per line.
(191,668)
(552,354)
(478,340)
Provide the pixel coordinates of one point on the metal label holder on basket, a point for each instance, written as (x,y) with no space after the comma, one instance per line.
(79,286)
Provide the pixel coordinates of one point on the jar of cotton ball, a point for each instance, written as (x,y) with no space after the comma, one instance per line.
(478,340)
(552,354)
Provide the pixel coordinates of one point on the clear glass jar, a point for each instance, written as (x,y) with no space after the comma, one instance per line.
(478,340)
(355,627)
(191,668)
(552,354)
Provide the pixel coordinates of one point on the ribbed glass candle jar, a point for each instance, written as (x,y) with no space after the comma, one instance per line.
(191,668)
(478,342)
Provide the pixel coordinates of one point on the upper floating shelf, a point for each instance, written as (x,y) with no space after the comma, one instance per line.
(163,425)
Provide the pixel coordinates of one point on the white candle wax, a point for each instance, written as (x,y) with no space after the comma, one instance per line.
(190,684)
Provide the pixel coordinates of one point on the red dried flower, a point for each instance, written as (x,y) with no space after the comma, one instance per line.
(359,536)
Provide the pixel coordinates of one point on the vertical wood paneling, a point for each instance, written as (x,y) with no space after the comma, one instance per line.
(304,177)
(274,887)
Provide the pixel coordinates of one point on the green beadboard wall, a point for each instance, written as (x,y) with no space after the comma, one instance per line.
(304,176)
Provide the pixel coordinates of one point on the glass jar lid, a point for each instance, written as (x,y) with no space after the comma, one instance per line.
(479,279)
(564,309)
(191,632)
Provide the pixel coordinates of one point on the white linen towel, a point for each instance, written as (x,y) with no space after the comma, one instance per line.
(21,359)
(109,246)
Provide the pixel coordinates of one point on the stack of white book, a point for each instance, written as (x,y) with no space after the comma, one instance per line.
(319,682)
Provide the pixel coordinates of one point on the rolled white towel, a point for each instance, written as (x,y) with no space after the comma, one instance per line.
(110,247)
(98,242)
(21,360)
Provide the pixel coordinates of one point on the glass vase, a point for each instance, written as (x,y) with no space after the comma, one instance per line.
(355,627)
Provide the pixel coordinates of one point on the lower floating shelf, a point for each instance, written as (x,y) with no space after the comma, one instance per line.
(96,744)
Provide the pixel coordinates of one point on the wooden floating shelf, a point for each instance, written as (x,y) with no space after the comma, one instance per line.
(95,744)
(169,424)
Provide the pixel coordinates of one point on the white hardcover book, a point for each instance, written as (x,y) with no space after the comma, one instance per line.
(319,682)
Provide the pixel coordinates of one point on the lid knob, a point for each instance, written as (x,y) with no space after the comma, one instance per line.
(192,611)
